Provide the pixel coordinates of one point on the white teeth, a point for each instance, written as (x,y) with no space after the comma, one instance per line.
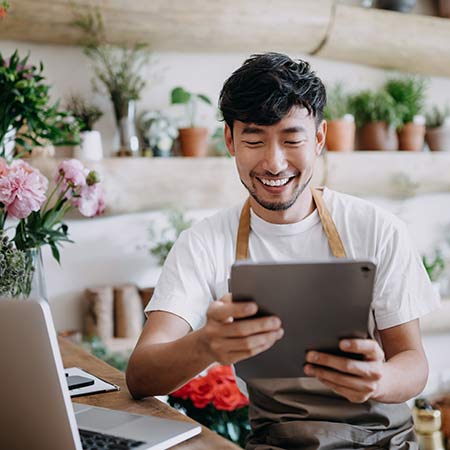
(281,182)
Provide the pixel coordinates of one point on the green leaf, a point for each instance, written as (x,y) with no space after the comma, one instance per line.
(204,98)
(180,96)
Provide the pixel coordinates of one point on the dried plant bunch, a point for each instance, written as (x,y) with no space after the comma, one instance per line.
(86,113)
(117,68)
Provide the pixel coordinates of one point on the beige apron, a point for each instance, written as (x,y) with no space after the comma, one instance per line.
(301,413)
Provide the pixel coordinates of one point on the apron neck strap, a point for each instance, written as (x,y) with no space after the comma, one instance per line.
(334,240)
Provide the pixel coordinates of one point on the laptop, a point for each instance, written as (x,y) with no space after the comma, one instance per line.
(36,412)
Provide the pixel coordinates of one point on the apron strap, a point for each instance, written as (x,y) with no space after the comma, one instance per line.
(334,240)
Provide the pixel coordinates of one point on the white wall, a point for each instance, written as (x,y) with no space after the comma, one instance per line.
(68,70)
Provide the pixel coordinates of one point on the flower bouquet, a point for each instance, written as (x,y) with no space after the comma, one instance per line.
(215,401)
(36,219)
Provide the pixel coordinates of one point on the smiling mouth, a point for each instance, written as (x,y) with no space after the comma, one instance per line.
(275,182)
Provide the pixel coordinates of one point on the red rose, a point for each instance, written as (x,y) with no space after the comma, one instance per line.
(221,374)
(2,13)
(202,391)
(228,397)
(183,392)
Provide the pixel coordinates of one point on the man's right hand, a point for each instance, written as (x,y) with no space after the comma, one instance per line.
(228,340)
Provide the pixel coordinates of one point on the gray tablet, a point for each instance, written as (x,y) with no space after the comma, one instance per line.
(318,302)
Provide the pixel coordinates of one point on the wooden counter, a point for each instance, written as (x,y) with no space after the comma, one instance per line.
(74,356)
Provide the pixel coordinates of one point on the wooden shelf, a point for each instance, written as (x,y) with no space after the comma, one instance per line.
(142,184)
(380,38)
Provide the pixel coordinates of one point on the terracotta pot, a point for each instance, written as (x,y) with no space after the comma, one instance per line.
(411,137)
(340,136)
(377,136)
(194,141)
(438,138)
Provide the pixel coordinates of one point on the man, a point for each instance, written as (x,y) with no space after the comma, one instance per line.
(273,110)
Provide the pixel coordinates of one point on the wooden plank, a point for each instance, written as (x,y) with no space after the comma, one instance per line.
(74,356)
(391,40)
(178,25)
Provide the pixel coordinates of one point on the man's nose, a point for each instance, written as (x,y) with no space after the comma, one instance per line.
(274,159)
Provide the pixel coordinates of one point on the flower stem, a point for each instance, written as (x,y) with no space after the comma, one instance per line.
(43,210)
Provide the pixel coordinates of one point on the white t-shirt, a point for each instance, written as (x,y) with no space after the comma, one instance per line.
(198,267)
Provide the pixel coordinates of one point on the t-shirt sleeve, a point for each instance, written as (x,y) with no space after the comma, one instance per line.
(403,290)
(184,285)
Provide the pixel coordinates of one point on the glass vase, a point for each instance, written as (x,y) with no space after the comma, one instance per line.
(126,124)
(35,286)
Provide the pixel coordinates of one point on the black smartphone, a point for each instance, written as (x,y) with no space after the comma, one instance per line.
(76,381)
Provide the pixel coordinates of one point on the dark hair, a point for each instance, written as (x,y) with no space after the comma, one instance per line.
(265,88)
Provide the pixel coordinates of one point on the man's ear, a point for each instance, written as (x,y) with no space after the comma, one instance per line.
(228,135)
(321,134)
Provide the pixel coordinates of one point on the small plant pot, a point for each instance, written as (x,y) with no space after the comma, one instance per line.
(438,138)
(90,147)
(411,137)
(193,141)
(377,136)
(340,135)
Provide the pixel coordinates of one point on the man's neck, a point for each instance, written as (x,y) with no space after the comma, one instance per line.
(302,208)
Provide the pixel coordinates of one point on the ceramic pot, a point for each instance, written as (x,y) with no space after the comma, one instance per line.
(90,147)
(438,138)
(377,136)
(411,137)
(340,135)
(193,141)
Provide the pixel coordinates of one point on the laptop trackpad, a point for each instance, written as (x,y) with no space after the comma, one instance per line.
(102,420)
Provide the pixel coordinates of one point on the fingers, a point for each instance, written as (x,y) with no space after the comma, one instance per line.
(349,394)
(350,382)
(222,311)
(365,369)
(243,328)
(230,350)
(367,347)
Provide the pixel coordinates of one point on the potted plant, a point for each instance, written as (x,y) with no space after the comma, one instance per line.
(158,132)
(27,118)
(91,141)
(409,95)
(117,69)
(340,121)
(193,139)
(377,117)
(438,128)
(435,267)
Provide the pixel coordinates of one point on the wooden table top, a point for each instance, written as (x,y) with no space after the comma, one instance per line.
(74,356)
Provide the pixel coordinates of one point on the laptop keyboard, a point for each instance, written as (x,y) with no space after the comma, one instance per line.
(91,440)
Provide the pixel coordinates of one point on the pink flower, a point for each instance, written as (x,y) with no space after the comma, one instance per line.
(72,173)
(91,201)
(22,189)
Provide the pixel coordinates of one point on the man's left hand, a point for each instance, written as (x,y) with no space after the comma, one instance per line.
(357,381)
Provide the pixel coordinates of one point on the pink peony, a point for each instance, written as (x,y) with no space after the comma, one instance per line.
(91,201)
(22,190)
(72,173)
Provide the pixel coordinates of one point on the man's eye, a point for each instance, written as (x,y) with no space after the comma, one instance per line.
(253,142)
(294,142)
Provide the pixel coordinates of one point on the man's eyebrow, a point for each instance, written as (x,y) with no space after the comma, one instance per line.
(252,130)
(297,129)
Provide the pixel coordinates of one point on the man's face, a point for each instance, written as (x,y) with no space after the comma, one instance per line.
(276,162)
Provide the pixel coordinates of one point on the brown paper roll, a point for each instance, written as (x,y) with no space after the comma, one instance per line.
(99,312)
(146,295)
(128,311)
